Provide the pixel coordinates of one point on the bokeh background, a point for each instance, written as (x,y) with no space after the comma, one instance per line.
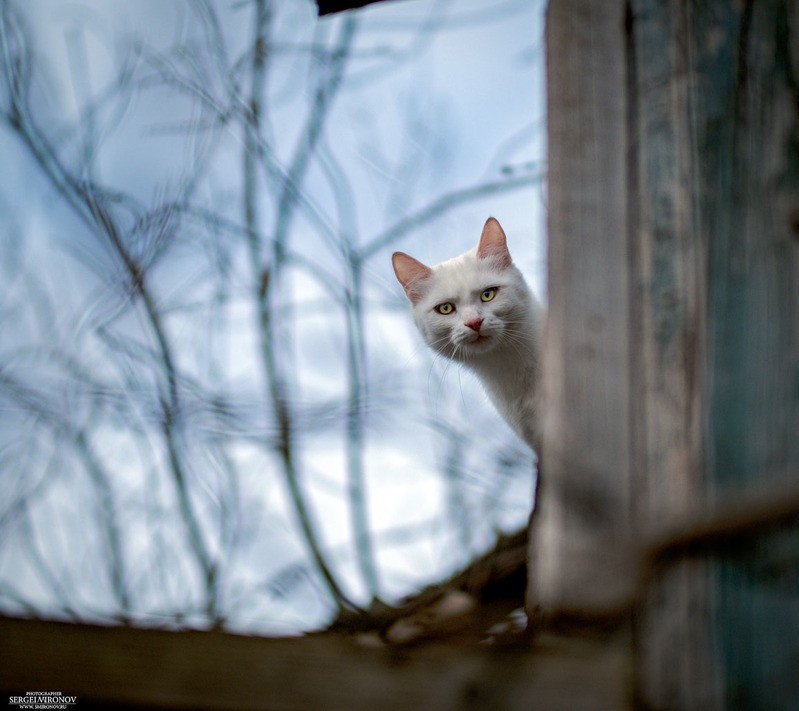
(214,408)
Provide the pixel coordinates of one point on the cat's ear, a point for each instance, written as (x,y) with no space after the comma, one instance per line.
(411,273)
(493,244)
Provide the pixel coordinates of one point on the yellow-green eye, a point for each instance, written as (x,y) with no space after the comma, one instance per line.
(489,294)
(446,308)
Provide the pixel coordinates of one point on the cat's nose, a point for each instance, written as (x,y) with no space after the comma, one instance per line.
(474,323)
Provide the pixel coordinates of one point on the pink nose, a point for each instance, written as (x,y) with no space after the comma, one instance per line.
(475,323)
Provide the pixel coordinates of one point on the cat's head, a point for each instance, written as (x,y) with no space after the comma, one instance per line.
(468,306)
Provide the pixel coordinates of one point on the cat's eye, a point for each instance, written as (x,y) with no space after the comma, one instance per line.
(489,294)
(445,308)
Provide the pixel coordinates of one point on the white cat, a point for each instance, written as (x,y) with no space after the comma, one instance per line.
(476,309)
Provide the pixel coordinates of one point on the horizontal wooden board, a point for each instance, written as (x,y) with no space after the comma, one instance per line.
(135,668)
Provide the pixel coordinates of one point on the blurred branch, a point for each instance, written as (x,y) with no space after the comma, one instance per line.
(438,207)
(41,565)
(358,394)
(163,319)
(101,479)
(500,569)
(356,406)
(267,275)
(453,473)
(732,521)
(89,202)
(325,93)
(731,527)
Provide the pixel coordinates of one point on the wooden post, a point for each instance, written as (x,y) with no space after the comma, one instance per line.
(676,663)
(714,116)
(672,348)
(583,507)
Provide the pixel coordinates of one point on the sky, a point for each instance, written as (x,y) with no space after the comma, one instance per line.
(429,118)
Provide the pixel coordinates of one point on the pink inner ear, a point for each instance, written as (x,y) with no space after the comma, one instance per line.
(412,274)
(493,243)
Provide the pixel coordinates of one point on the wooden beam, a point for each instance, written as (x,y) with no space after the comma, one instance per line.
(583,506)
(669,377)
(715,128)
(134,668)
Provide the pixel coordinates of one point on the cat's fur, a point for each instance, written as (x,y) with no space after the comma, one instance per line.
(497,338)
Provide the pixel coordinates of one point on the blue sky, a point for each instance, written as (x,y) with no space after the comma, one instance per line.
(436,98)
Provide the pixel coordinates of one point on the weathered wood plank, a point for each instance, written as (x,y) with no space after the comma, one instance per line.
(714,122)
(747,126)
(583,506)
(669,369)
(672,348)
(136,668)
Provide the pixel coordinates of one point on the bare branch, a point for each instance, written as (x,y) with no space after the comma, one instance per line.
(440,206)
(101,479)
(90,203)
(266,275)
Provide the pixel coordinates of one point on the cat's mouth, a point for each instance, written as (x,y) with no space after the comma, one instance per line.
(477,342)
(480,339)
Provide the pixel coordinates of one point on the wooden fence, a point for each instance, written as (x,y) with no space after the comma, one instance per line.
(672,353)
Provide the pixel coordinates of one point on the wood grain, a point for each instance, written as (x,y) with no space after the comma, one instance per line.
(135,668)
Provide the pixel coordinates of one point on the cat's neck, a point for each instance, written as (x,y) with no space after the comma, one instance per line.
(510,374)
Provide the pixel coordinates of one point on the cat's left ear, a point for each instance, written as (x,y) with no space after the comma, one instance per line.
(493,244)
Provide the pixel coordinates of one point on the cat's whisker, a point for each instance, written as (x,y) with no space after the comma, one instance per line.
(452,300)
